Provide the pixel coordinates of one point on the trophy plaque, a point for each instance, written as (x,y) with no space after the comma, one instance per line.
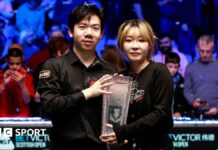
(116,104)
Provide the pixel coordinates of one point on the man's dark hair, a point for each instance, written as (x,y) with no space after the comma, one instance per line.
(15,52)
(172,58)
(86,10)
(57,44)
(163,35)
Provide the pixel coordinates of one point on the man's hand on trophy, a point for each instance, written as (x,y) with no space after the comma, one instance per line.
(99,87)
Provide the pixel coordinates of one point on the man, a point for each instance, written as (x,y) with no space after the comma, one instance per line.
(201,80)
(71,86)
(16,87)
(165,46)
(3,61)
(181,108)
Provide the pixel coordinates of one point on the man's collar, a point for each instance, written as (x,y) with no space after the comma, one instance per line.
(72,57)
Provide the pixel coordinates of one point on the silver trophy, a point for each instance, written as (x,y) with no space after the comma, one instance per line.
(115,105)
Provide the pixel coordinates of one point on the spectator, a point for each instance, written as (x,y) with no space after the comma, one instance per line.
(181,107)
(166,46)
(201,79)
(16,87)
(3,60)
(112,55)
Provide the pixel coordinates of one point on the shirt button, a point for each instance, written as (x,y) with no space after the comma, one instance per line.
(132,115)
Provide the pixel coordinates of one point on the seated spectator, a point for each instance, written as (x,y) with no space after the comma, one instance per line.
(200,86)
(165,46)
(16,87)
(112,55)
(181,107)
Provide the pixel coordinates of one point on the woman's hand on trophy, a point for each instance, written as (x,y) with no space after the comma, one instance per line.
(109,138)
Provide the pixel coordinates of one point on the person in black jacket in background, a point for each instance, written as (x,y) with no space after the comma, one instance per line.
(71,86)
(181,107)
(149,117)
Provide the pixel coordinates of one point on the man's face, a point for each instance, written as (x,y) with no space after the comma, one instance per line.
(173,68)
(14,63)
(87,33)
(165,45)
(206,52)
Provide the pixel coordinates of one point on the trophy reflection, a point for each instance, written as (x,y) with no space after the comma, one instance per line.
(115,105)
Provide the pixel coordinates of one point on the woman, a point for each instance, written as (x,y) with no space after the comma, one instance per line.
(149,117)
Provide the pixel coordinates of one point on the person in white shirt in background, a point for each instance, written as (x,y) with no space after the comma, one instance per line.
(166,46)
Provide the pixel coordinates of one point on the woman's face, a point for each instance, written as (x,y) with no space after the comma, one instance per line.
(135,46)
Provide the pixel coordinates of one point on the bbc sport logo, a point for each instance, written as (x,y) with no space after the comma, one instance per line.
(11,138)
(6,132)
(5,139)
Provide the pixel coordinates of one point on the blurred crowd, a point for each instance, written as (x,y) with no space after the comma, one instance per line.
(33,31)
